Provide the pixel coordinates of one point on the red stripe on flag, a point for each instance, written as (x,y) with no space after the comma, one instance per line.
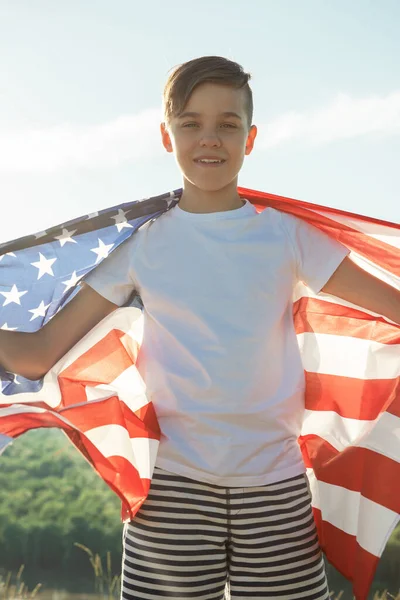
(146,415)
(312,315)
(384,255)
(253,194)
(112,411)
(352,398)
(102,363)
(351,468)
(394,406)
(347,556)
(119,474)
(18,423)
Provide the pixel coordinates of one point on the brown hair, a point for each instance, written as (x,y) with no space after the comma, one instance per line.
(207,69)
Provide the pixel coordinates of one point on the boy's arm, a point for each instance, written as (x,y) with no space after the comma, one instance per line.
(33,354)
(355,285)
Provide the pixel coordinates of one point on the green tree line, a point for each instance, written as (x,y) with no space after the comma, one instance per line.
(50,498)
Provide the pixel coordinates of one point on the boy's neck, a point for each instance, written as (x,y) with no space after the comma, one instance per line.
(195,200)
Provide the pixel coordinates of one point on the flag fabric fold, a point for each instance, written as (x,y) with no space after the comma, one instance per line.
(350,438)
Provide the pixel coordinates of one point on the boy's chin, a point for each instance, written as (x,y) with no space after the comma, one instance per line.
(210,186)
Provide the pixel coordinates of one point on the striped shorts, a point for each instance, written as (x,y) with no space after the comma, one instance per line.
(195,540)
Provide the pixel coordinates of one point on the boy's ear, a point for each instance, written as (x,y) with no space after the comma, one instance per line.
(250,139)
(165,137)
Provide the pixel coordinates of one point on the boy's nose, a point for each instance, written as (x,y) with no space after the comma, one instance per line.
(210,140)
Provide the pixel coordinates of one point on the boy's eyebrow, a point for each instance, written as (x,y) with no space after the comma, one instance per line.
(196,114)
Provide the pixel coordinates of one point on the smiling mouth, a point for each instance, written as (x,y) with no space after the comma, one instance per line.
(213,163)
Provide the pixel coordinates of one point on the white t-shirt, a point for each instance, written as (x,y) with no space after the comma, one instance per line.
(219,357)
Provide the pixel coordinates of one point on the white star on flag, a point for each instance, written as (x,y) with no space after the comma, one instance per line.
(121,220)
(40,311)
(44,265)
(102,250)
(13,296)
(6,254)
(70,283)
(66,236)
(7,328)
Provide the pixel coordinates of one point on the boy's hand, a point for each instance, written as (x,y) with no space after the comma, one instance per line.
(355,285)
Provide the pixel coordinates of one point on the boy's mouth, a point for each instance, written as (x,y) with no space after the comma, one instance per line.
(209,162)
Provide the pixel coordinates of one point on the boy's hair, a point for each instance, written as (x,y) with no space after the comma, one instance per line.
(207,69)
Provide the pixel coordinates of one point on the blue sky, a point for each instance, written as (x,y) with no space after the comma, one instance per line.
(81,86)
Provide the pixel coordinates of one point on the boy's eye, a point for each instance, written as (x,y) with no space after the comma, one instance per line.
(224,125)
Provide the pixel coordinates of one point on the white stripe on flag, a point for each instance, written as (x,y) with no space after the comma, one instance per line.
(19,409)
(129,387)
(114,440)
(145,453)
(377,231)
(349,357)
(302,291)
(128,319)
(345,431)
(384,436)
(22,409)
(49,393)
(381,435)
(350,512)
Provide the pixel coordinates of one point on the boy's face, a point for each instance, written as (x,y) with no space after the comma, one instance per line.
(211,131)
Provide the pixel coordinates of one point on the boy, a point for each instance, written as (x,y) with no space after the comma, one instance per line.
(229,499)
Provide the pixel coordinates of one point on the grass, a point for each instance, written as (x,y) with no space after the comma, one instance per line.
(106,584)
(15,589)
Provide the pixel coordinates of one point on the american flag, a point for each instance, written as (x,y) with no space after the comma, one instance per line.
(351,430)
